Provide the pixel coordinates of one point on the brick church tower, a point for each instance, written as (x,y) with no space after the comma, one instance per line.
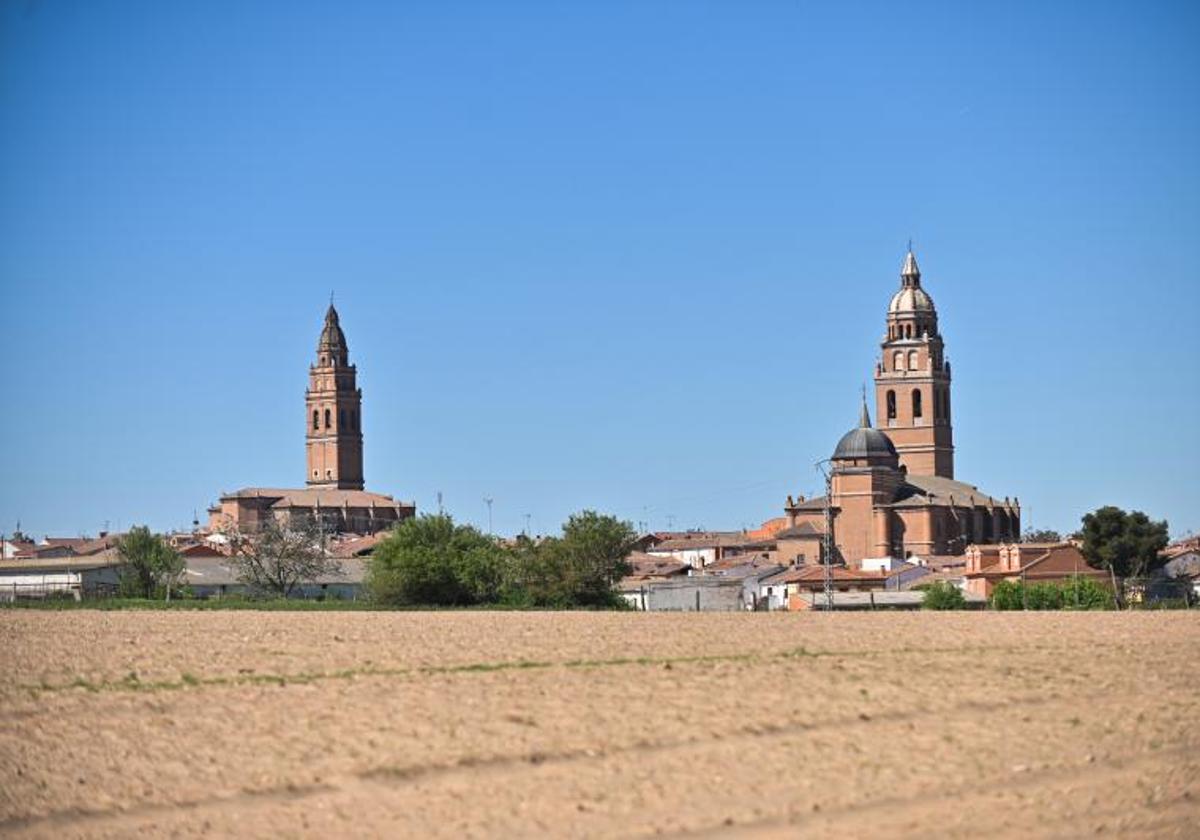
(334,403)
(912,380)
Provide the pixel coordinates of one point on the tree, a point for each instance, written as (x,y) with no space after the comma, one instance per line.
(1041,535)
(151,565)
(1084,593)
(1043,596)
(275,559)
(592,551)
(1008,595)
(941,595)
(536,575)
(1127,543)
(430,560)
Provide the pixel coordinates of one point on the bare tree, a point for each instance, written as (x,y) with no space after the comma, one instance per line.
(277,558)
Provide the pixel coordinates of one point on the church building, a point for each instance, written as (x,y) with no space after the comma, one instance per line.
(334,464)
(893,491)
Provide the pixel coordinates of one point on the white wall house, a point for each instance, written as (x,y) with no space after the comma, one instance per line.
(66,576)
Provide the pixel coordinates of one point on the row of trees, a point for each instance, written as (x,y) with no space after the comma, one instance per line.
(1076,593)
(428,560)
(431,560)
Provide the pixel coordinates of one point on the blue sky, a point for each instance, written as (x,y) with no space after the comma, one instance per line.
(627,256)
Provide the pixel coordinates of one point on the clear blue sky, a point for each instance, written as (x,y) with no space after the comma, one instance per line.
(628,256)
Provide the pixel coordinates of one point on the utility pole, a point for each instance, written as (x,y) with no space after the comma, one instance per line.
(487,500)
(827,543)
(439,498)
(528,516)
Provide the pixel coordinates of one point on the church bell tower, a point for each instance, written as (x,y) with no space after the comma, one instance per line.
(334,403)
(912,380)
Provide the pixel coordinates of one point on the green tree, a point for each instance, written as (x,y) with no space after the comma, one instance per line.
(151,566)
(276,559)
(1084,593)
(1127,543)
(537,575)
(942,595)
(1041,535)
(430,560)
(1043,596)
(592,551)
(1008,595)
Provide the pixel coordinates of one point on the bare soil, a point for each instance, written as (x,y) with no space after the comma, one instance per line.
(612,724)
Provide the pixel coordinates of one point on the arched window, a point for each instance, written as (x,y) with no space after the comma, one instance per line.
(916,400)
(891,405)
(328,418)
(329,473)
(898,360)
(908,330)
(912,360)
(316,419)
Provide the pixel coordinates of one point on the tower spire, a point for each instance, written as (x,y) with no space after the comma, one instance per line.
(910,275)
(864,417)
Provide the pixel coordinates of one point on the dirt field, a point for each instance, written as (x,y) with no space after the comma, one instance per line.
(506,724)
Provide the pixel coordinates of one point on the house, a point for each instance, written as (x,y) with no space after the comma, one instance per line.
(690,593)
(987,565)
(63,576)
(702,548)
(780,590)
(873,600)
(646,571)
(216,577)
(751,570)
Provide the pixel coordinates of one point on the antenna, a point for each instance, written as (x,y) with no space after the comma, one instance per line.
(528,516)
(487,500)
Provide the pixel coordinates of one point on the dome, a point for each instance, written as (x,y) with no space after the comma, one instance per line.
(910,299)
(865,443)
(332,338)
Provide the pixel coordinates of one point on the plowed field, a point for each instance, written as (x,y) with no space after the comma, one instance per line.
(564,724)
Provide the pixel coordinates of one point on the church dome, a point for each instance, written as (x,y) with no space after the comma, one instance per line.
(865,442)
(332,338)
(910,299)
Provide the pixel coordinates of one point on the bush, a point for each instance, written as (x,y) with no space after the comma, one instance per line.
(430,560)
(1079,592)
(1082,593)
(1008,595)
(1043,596)
(942,595)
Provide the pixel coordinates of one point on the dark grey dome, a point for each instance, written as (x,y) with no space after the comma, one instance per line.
(865,443)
